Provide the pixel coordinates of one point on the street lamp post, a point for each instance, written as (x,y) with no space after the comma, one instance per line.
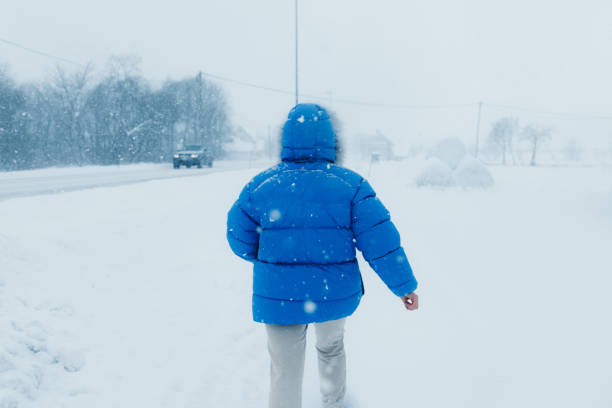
(296,54)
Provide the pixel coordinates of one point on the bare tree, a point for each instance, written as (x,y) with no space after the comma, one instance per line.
(573,151)
(122,67)
(4,73)
(68,92)
(502,135)
(203,115)
(536,136)
(14,146)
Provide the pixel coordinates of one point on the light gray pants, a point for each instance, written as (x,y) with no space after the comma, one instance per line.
(287,347)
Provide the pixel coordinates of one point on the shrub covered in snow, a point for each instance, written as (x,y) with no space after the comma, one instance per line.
(436,173)
(471,173)
(451,151)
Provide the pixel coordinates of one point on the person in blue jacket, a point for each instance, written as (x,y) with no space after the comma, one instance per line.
(300,223)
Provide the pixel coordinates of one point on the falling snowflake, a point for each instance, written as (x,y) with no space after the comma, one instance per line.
(275,215)
(310,307)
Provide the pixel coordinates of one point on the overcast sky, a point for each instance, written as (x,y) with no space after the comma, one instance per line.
(554,55)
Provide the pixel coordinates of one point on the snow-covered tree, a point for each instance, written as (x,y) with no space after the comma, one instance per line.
(536,136)
(67,93)
(14,146)
(502,135)
(573,151)
(202,113)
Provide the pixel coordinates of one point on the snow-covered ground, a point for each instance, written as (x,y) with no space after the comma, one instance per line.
(63,179)
(129,296)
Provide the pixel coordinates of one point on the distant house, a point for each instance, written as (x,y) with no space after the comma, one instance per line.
(377,145)
(242,147)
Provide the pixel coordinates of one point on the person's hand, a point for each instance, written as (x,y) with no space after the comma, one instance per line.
(411,301)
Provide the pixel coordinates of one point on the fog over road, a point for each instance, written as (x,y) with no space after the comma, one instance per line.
(57,180)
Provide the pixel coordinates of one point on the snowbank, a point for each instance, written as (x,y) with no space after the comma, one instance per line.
(35,361)
(435,173)
(471,173)
(58,180)
(451,151)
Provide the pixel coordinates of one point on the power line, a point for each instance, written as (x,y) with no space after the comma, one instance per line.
(341,100)
(569,115)
(42,53)
(247,84)
(392,106)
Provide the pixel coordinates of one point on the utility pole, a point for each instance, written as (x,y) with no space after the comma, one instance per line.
(296,53)
(478,129)
(198,117)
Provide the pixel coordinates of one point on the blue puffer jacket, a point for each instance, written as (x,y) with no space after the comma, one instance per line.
(300,221)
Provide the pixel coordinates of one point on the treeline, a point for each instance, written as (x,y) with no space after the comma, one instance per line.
(76,118)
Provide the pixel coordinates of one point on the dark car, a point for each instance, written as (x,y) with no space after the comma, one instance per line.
(193,155)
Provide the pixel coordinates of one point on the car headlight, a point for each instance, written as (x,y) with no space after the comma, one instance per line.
(176,156)
(193,156)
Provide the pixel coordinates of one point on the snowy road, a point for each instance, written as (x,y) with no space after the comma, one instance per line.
(122,297)
(58,180)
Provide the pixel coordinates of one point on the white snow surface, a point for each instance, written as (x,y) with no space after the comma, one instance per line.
(129,296)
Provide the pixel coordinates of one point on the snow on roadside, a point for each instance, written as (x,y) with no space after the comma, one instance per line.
(37,355)
(133,298)
(59,180)
(119,282)
(82,170)
(35,361)
(54,172)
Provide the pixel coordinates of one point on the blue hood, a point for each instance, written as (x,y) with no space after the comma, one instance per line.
(308,135)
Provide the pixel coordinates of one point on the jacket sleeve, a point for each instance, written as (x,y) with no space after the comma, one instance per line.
(243,227)
(379,241)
